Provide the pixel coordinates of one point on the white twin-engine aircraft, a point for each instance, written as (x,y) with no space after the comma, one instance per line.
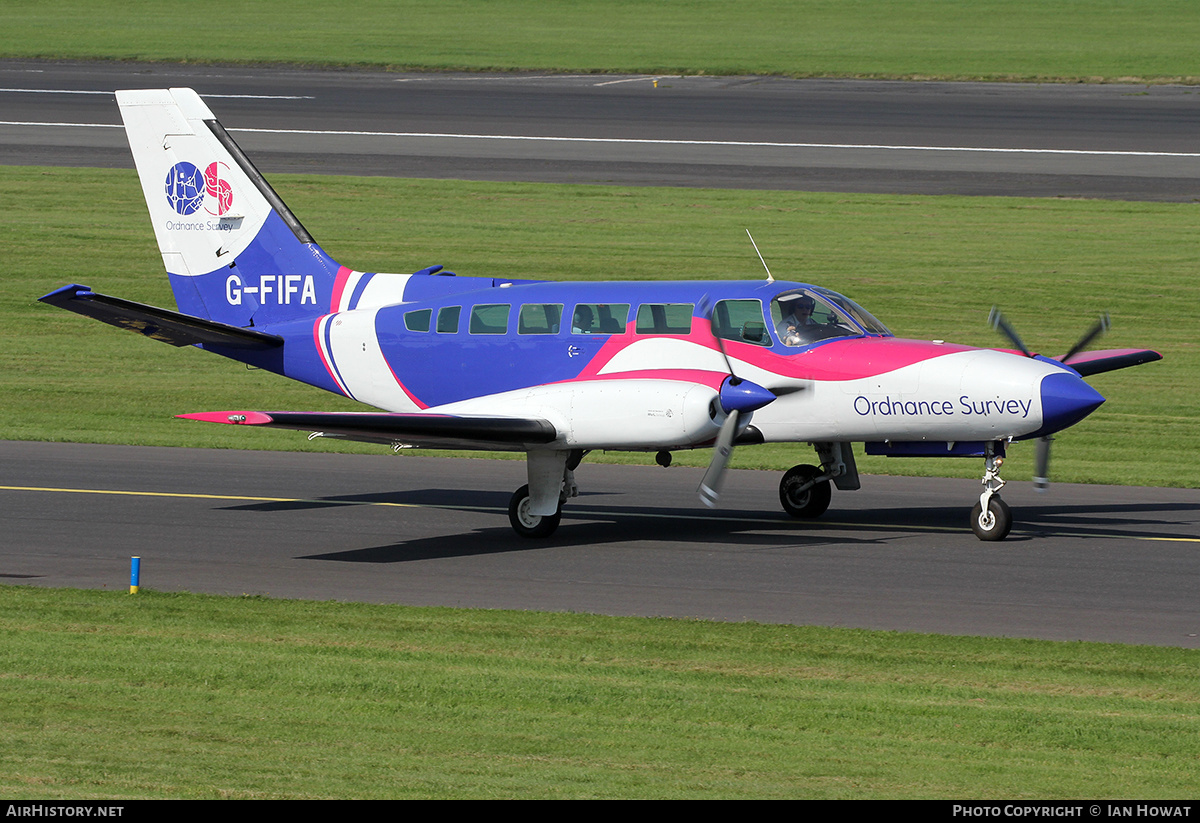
(555,369)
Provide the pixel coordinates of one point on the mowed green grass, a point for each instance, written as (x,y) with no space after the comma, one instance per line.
(1150,40)
(107,695)
(929,267)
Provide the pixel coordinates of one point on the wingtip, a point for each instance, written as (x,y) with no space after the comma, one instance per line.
(243,418)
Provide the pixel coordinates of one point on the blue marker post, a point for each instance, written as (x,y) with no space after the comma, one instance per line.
(135,573)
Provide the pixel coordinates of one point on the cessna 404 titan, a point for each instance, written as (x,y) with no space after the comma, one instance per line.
(555,369)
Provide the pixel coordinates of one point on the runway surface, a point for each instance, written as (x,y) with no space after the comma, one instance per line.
(1106,141)
(1097,563)
(1089,563)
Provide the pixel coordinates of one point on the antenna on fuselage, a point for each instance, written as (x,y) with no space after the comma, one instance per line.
(770,279)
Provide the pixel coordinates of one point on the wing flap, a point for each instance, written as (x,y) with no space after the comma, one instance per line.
(160,324)
(438,431)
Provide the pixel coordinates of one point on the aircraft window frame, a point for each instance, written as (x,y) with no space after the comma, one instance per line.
(484,317)
(415,322)
(550,321)
(603,318)
(737,328)
(665,319)
(448,319)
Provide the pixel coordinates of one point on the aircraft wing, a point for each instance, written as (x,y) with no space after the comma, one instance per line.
(435,431)
(160,324)
(1098,362)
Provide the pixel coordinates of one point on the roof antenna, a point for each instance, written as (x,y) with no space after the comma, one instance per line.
(770,279)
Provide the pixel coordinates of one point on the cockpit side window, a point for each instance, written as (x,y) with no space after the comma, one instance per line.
(740,320)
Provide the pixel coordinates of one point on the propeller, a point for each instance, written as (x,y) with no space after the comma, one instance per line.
(1041,457)
(1095,331)
(737,396)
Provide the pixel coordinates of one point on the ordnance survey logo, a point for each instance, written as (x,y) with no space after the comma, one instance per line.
(188,188)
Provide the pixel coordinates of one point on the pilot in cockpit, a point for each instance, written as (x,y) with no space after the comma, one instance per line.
(797,316)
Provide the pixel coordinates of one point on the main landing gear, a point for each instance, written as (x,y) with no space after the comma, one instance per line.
(527,524)
(554,473)
(991,518)
(805,491)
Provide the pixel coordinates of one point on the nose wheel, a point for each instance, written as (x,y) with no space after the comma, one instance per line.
(993,523)
(991,518)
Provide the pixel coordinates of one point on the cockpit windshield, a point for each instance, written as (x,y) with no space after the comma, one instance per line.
(804,316)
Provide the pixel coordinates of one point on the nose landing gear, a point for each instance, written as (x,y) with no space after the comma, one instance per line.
(991,518)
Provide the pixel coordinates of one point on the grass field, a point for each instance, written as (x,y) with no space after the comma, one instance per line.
(107,695)
(929,267)
(1145,40)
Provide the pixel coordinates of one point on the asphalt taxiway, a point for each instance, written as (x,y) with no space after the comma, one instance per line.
(1103,563)
(1046,140)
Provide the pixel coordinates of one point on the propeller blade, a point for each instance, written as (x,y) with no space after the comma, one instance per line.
(710,486)
(706,310)
(997,321)
(1095,331)
(1041,464)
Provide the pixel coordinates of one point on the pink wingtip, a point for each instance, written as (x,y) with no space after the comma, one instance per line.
(245,418)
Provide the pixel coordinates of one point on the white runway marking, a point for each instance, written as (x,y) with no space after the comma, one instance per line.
(656,142)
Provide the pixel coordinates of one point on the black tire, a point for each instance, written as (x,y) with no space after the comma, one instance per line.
(530,525)
(811,502)
(996,524)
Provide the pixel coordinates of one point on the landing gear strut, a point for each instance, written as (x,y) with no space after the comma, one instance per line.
(555,472)
(991,518)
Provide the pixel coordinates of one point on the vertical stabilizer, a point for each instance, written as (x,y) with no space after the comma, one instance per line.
(233,250)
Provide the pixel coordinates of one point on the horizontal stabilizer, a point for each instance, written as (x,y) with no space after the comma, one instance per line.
(161,324)
(1098,362)
(437,431)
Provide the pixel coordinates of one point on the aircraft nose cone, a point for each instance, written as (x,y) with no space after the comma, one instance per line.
(1066,400)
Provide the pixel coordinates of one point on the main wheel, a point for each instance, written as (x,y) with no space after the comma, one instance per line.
(995,523)
(813,501)
(530,525)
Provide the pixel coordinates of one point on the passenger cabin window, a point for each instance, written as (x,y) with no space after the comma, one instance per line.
(665,318)
(489,318)
(417,320)
(448,319)
(600,318)
(539,318)
(740,320)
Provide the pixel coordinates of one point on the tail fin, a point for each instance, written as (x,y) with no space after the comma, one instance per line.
(234,251)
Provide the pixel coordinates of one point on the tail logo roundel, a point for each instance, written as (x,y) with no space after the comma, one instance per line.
(188,188)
